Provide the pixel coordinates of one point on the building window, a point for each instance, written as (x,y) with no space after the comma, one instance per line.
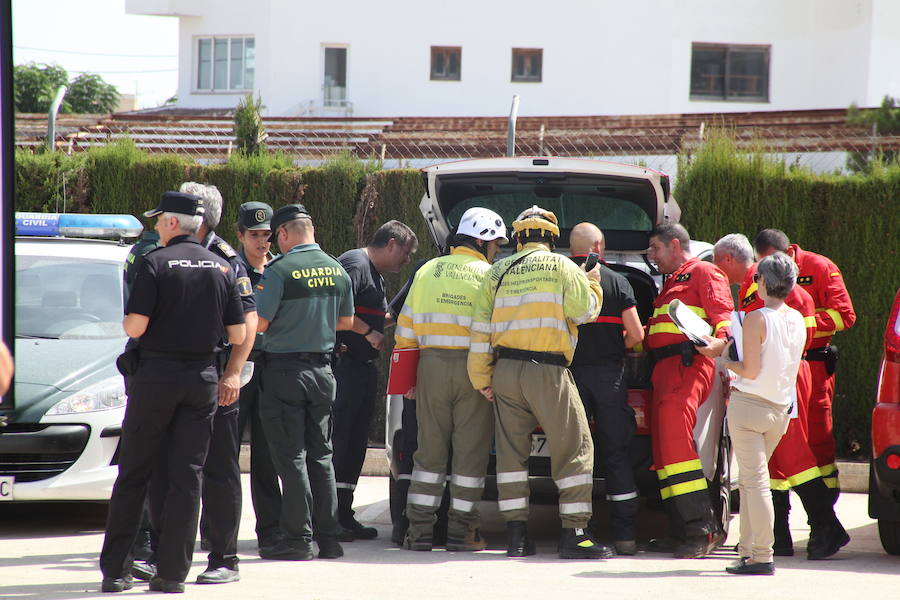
(446,63)
(225,63)
(526,64)
(730,72)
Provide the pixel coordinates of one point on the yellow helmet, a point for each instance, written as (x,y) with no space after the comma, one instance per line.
(536,218)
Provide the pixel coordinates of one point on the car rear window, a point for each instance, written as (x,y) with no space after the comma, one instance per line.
(60,297)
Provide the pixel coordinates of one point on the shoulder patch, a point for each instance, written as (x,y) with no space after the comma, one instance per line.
(226,249)
(244,286)
(683,277)
(836,274)
(750,299)
(805,280)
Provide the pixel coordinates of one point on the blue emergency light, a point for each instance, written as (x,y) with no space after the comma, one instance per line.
(78,225)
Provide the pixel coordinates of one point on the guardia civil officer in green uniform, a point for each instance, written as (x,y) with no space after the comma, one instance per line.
(303,298)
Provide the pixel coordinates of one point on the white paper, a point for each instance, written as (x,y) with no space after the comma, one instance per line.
(689,322)
(737,332)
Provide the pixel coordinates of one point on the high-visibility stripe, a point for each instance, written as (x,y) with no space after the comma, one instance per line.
(586,316)
(512,504)
(365,310)
(679,489)
(345,486)
(405,332)
(621,497)
(680,467)
(804,476)
(750,290)
(824,333)
(664,310)
(779,485)
(467,482)
(571,508)
(480,327)
(835,274)
(613,320)
(809,321)
(428,476)
(664,328)
(445,318)
(424,500)
(451,341)
(462,505)
(720,325)
(574,480)
(482,347)
(407,310)
(512,477)
(832,482)
(536,323)
(528,299)
(406,476)
(828,469)
(837,318)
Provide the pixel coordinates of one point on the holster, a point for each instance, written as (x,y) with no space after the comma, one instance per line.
(831,359)
(127,362)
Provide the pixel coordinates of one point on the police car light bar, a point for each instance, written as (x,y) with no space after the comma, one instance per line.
(78,225)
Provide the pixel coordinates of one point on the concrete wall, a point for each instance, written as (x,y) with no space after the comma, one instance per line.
(600,56)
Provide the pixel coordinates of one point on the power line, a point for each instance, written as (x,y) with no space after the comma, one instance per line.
(97,53)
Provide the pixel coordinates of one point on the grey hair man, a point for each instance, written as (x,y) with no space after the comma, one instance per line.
(733,254)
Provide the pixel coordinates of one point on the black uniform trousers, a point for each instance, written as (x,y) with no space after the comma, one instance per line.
(354,405)
(169,414)
(603,391)
(295,410)
(264,488)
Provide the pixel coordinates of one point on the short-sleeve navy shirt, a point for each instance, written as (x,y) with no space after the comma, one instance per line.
(370,303)
(603,341)
(217,245)
(189,294)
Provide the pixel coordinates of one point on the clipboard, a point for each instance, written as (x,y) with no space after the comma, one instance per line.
(689,323)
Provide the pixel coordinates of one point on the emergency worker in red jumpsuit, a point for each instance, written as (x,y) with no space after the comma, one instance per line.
(792,465)
(681,382)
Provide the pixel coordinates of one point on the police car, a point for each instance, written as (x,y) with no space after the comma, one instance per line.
(61,440)
(626,202)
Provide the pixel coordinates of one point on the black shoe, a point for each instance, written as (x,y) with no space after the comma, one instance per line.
(398,532)
(116,584)
(422,544)
(329,547)
(344,535)
(745,567)
(626,547)
(517,541)
(472,542)
(359,531)
(220,575)
(578,543)
(666,545)
(825,540)
(143,570)
(697,546)
(283,551)
(166,586)
(268,541)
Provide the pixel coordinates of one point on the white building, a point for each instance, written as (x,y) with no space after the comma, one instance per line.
(577,57)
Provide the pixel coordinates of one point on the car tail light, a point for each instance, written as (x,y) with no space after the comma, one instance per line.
(892,462)
(892,333)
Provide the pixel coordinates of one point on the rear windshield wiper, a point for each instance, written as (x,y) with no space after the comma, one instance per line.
(23,336)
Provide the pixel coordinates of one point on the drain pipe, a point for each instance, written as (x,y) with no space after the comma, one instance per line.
(511,126)
(51,118)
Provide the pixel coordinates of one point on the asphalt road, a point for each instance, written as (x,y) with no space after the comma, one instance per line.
(49,552)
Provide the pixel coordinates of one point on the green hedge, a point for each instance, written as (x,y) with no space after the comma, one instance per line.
(851,219)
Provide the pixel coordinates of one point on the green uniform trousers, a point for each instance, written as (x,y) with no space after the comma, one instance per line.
(295,410)
(451,414)
(527,394)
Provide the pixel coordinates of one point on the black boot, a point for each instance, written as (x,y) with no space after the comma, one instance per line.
(348,521)
(784,544)
(517,540)
(826,534)
(398,532)
(578,543)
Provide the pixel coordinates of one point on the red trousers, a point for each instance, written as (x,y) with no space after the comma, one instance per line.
(821,435)
(793,462)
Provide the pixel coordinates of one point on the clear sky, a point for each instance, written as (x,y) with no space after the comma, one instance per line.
(137,54)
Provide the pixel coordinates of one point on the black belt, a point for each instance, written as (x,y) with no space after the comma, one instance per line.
(818,353)
(186,356)
(686,350)
(544,358)
(310,357)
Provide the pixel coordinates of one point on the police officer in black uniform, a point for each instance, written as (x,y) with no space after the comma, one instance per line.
(598,368)
(184,301)
(254,228)
(221,516)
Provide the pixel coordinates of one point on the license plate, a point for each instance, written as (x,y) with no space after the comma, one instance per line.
(6,487)
(539,445)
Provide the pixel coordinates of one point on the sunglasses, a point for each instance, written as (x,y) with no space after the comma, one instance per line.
(756,278)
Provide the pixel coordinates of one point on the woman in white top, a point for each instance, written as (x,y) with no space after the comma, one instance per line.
(762,399)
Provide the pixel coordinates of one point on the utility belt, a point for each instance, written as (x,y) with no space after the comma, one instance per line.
(316,358)
(543,358)
(256,356)
(127,363)
(686,350)
(827,354)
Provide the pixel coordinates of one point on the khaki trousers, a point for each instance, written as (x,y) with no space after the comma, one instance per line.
(451,414)
(756,426)
(528,394)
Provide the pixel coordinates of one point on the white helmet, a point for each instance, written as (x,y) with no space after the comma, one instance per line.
(482,224)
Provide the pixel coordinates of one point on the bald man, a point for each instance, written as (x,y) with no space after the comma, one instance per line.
(599,372)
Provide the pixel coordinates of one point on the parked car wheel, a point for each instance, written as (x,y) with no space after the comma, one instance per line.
(889,532)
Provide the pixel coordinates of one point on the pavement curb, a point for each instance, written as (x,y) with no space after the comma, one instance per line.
(854,476)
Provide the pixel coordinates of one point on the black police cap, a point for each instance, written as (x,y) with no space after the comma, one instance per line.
(286,214)
(178,202)
(255,215)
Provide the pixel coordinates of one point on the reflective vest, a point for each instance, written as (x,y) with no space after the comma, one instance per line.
(438,310)
(540,302)
(824,282)
(701,287)
(798,299)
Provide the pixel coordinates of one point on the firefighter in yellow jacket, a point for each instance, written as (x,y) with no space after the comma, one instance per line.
(436,318)
(524,331)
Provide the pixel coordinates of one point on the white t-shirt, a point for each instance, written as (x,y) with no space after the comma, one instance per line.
(782,352)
